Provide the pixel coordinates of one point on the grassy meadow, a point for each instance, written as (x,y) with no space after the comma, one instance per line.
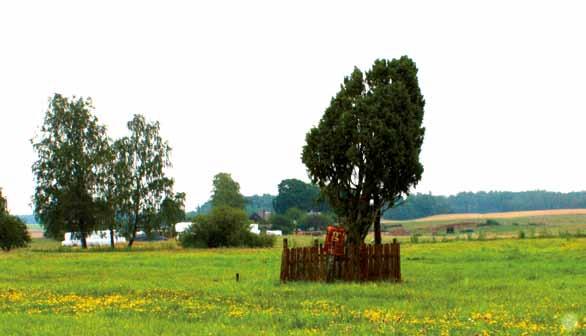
(495,287)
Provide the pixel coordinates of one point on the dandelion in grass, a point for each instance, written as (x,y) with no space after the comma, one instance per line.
(569,322)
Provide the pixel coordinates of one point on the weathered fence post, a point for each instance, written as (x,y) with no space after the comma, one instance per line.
(396,261)
(386,262)
(329,268)
(285,262)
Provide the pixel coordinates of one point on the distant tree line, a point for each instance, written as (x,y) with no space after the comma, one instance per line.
(298,205)
(292,193)
(252,204)
(422,205)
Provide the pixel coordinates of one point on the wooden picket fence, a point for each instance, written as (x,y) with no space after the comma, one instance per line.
(359,263)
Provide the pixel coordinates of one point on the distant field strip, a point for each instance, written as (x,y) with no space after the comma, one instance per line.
(498,215)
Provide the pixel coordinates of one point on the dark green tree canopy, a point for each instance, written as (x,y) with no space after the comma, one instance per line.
(315,221)
(13,232)
(294,193)
(364,153)
(295,214)
(282,222)
(171,212)
(226,192)
(70,171)
(3,203)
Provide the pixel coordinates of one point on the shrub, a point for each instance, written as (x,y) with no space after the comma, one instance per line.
(415,238)
(521,234)
(481,235)
(13,232)
(281,222)
(545,233)
(261,240)
(490,222)
(315,222)
(223,227)
(294,214)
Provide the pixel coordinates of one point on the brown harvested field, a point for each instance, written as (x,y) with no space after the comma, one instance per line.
(36,233)
(500,215)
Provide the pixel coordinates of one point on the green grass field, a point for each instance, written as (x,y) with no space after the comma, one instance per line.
(546,225)
(507,287)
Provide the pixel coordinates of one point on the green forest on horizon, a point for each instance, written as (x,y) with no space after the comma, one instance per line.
(422,205)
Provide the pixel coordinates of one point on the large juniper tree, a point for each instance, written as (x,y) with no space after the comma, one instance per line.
(141,183)
(364,153)
(72,149)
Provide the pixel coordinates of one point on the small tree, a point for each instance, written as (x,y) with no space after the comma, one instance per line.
(295,214)
(172,211)
(226,192)
(13,232)
(364,153)
(3,204)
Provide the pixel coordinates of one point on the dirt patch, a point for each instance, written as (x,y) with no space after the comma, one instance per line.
(36,233)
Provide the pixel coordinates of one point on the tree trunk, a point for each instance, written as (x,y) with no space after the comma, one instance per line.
(112,237)
(132,237)
(358,230)
(377,229)
(353,232)
(83,233)
(133,232)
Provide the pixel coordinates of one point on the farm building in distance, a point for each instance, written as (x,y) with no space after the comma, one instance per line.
(453,227)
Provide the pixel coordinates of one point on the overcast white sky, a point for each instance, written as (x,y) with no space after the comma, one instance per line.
(237,84)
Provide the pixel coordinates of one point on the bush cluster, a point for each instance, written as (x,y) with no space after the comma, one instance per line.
(223,227)
(13,232)
(490,222)
(295,218)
